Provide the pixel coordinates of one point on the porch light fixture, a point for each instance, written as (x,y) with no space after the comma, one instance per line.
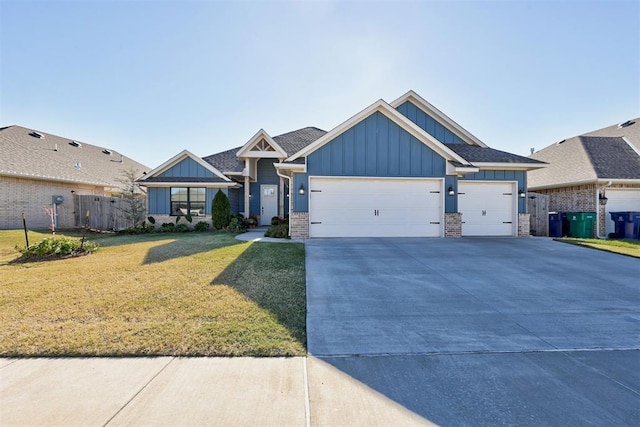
(522,194)
(450,191)
(301,190)
(603,199)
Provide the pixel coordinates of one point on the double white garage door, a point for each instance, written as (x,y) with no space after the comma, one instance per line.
(388,207)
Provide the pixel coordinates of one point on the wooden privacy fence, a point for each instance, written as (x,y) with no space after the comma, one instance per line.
(538,209)
(105,213)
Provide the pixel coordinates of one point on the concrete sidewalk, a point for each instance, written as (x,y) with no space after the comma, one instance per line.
(189,392)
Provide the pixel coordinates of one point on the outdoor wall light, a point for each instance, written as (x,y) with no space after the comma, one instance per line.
(603,199)
(450,191)
(301,190)
(522,194)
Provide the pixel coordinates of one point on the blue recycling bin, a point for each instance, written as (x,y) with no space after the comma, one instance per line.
(636,225)
(620,222)
(625,224)
(558,226)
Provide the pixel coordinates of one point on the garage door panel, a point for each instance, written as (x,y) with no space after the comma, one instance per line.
(487,208)
(362,207)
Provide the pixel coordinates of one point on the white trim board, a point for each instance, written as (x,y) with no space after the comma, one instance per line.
(177,159)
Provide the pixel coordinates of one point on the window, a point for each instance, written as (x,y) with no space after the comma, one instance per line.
(188,201)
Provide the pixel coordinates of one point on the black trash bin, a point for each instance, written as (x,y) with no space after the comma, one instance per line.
(620,222)
(636,227)
(633,226)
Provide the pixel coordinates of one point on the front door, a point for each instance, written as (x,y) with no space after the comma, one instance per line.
(268,203)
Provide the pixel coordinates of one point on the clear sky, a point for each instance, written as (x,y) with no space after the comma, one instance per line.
(151,78)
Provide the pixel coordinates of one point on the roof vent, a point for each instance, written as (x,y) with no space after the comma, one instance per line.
(37,135)
(625,124)
(75,144)
(77,165)
(560,142)
(107,152)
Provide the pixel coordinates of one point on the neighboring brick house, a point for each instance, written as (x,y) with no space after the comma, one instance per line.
(597,172)
(36,166)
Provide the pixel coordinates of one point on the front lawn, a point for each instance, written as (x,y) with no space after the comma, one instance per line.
(624,247)
(192,294)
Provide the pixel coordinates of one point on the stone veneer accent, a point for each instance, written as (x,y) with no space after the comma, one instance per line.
(453,224)
(299,225)
(523,225)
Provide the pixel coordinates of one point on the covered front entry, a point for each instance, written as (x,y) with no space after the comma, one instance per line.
(375,207)
(488,208)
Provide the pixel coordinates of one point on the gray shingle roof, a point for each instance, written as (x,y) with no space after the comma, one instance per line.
(291,143)
(52,158)
(294,141)
(601,154)
(473,153)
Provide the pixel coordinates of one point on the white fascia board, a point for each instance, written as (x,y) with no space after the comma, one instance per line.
(192,184)
(296,167)
(245,151)
(633,147)
(509,166)
(263,155)
(445,120)
(391,113)
(177,159)
(460,170)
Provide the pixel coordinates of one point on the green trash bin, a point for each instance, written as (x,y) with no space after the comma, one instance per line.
(581,224)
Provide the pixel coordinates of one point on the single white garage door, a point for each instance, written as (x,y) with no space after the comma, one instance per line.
(375,207)
(620,200)
(487,208)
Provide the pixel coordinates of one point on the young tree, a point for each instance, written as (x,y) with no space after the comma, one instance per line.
(133,206)
(220,211)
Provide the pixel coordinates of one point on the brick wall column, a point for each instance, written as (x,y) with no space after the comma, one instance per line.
(453,224)
(523,224)
(299,225)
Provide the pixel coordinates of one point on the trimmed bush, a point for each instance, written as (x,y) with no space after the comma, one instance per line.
(181,228)
(237,224)
(220,211)
(201,226)
(280,231)
(58,247)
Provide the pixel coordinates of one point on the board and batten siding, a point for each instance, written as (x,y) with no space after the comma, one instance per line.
(375,147)
(428,124)
(266,176)
(188,168)
(502,175)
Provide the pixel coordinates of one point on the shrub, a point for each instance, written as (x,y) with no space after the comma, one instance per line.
(181,228)
(220,211)
(201,226)
(237,224)
(166,227)
(275,220)
(280,231)
(55,247)
(140,229)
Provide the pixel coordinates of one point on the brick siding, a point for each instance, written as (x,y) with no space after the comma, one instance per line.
(299,225)
(453,225)
(18,195)
(523,225)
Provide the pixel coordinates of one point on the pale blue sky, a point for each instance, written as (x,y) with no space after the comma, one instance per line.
(151,78)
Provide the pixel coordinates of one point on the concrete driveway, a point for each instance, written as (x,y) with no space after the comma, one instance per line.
(480,331)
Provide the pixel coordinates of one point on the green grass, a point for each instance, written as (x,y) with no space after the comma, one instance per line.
(624,247)
(192,294)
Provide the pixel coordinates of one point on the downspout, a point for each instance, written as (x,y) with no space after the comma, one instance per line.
(290,198)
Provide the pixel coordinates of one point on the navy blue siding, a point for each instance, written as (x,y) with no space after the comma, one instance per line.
(188,168)
(375,146)
(158,201)
(266,175)
(235,195)
(503,175)
(428,123)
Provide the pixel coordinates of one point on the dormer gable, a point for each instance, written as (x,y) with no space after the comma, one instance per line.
(261,145)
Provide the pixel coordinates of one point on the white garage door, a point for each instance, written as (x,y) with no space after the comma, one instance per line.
(373,207)
(620,200)
(487,208)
